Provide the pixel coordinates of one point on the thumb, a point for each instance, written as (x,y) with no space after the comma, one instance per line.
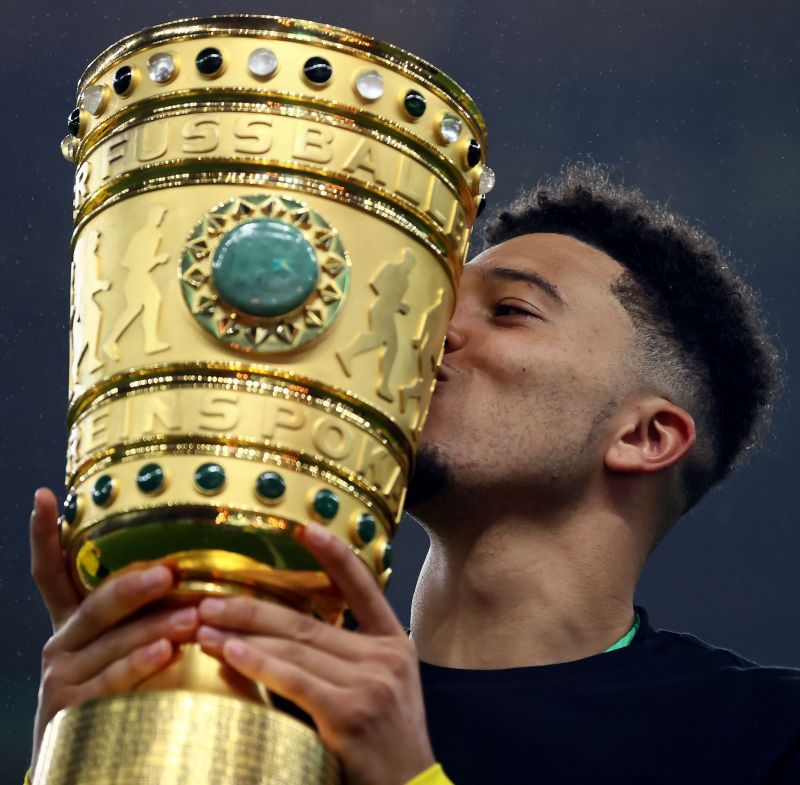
(48,564)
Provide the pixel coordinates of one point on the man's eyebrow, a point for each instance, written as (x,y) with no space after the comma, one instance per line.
(528,276)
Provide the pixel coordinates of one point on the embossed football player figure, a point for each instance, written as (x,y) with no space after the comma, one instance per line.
(429,353)
(142,295)
(87,316)
(390,285)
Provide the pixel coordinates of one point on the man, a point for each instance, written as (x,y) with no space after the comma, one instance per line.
(604,369)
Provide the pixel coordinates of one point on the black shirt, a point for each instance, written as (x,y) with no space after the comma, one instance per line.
(668,709)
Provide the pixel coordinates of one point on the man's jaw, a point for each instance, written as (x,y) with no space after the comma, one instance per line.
(430,477)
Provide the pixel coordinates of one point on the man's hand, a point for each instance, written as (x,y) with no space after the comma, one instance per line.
(95,649)
(362,689)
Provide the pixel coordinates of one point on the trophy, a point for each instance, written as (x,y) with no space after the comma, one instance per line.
(271,217)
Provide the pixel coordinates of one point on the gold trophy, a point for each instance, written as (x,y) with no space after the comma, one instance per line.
(271,217)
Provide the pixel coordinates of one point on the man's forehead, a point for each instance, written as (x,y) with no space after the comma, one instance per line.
(563,259)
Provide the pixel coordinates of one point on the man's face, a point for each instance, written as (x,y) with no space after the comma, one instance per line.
(535,365)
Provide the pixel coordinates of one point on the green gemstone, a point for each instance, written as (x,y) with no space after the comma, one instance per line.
(210,477)
(103,488)
(387,556)
(270,485)
(366,528)
(414,103)
(326,504)
(265,267)
(150,478)
(71,508)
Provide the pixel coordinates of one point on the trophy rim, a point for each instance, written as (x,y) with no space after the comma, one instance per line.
(288,28)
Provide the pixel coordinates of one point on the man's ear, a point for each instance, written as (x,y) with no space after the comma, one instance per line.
(654,436)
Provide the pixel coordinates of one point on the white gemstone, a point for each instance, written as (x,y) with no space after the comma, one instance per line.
(450,128)
(94,98)
(369,85)
(262,62)
(161,67)
(69,147)
(486,181)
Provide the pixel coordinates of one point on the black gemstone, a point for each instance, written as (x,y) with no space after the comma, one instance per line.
(366,528)
(326,503)
(150,478)
(122,80)
(210,477)
(103,490)
(209,61)
(270,485)
(481,205)
(71,508)
(317,70)
(473,153)
(74,121)
(414,103)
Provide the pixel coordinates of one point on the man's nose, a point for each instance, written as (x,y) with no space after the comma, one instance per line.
(453,339)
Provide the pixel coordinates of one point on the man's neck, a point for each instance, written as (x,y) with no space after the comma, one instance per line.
(519,592)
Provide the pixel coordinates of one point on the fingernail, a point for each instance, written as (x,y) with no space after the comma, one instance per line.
(155,578)
(209,635)
(236,650)
(156,651)
(317,534)
(212,607)
(185,619)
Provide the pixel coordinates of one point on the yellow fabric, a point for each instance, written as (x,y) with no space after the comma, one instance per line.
(433,776)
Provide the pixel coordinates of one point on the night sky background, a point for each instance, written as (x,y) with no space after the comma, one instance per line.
(694,102)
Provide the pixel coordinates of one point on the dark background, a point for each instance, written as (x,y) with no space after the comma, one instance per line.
(695,102)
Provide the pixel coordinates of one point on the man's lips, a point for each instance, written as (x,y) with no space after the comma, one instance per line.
(444,373)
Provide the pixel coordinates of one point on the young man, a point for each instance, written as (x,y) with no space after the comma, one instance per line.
(604,369)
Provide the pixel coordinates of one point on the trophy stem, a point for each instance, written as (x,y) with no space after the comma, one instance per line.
(193,669)
(195,722)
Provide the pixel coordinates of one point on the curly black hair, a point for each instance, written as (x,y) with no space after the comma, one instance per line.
(702,339)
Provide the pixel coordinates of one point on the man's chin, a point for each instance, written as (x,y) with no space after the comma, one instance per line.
(431,476)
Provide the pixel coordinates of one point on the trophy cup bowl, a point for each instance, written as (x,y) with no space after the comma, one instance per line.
(271,217)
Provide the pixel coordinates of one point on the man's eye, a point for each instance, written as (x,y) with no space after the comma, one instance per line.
(507,309)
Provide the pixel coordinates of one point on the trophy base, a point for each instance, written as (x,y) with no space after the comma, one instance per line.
(177,737)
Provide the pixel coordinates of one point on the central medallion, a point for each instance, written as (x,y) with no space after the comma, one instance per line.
(264,273)
(265,267)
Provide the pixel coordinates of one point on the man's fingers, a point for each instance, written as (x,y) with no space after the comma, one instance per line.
(123,675)
(116,599)
(257,617)
(178,626)
(311,693)
(327,667)
(355,582)
(48,566)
